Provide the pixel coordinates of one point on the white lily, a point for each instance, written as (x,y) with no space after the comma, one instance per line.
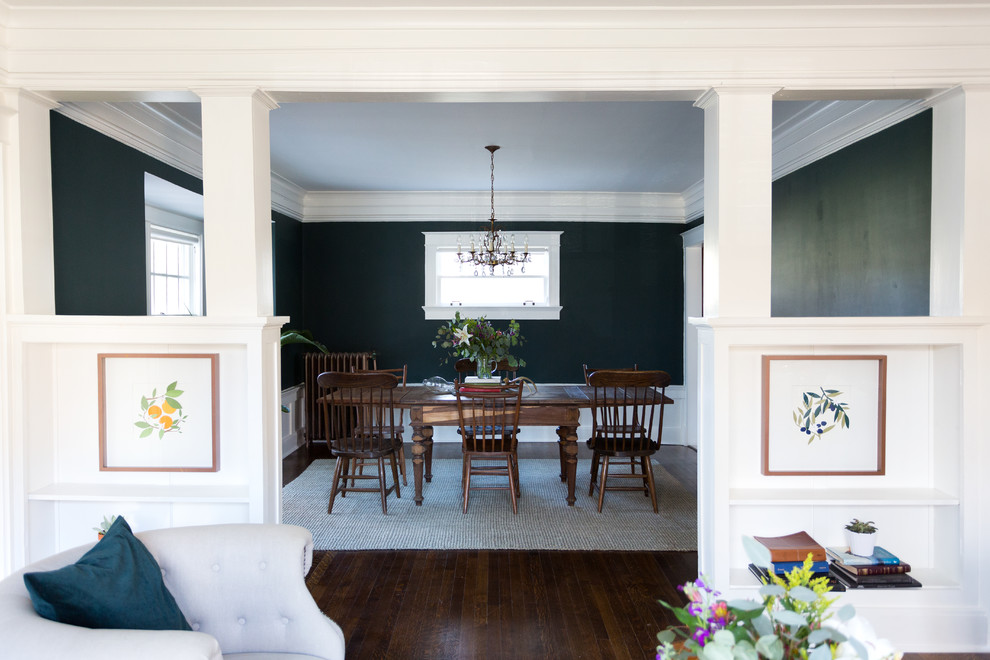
(462,336)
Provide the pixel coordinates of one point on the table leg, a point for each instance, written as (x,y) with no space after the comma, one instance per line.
(568,445)
(422,437)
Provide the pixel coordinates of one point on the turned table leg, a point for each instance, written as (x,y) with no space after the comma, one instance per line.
(422,451)
(569,452)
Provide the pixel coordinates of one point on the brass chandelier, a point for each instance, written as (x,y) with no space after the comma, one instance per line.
(492,249)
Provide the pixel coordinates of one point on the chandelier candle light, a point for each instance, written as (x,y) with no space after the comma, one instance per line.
(491,249)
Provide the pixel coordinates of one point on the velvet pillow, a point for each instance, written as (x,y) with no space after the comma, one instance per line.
(117,584)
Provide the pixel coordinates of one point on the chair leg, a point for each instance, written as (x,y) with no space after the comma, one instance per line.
(395,476)
(336,476)
(402,463)
(381,483)
(652,486)
(345,469)
(466,478)
(512,484)
(601,485)
(644,462)
(594,473)
(515,470)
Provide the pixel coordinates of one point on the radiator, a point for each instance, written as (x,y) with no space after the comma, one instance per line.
(316,364)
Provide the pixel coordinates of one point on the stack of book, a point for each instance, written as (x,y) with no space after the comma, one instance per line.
(475,384)
(789,552)
(880,570)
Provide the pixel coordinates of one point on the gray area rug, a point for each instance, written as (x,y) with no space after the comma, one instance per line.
(544,521)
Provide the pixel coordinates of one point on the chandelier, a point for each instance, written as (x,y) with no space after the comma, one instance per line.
(492,248)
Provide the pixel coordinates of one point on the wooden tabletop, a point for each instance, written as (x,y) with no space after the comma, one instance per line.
(545,395)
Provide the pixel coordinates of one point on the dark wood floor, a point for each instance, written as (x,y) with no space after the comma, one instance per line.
(485,604)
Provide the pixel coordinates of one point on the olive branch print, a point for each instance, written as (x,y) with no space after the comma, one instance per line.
(161,412)
(811,416)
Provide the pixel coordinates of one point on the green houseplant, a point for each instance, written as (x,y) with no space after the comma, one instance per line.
(104,526)
(861,537)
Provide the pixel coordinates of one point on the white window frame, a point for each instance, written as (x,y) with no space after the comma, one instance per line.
(435,240)
(182,229)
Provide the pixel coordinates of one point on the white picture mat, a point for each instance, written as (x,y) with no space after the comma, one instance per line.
(126,379)
(842,450)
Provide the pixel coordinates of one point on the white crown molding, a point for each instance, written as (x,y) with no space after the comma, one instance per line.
(825,128)
(822,129)
(388,206)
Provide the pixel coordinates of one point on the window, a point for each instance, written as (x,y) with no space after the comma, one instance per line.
(174,248)
(452,286)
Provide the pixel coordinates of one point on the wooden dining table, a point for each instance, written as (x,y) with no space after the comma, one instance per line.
(550,405)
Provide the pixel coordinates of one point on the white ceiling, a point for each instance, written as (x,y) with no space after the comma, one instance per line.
(599,146)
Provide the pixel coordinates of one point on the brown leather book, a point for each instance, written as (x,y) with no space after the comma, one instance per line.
(792,547)
(876,569)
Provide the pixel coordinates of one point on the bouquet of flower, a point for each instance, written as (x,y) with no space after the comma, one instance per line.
(478,340)
(791,622)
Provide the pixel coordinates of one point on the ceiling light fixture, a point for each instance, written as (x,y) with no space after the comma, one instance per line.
(491,249)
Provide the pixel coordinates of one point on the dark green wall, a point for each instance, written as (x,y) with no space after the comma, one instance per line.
(621,292)
(851,232)
(287,253)
(98,223)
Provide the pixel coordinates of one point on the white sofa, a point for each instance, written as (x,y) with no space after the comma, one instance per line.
(241,588)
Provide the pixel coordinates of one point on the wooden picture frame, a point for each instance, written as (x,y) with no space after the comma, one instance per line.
(824,414)
(159,412)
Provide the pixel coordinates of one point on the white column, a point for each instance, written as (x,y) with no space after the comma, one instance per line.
(237,203)
(29,271)
(960,269)
(738,165)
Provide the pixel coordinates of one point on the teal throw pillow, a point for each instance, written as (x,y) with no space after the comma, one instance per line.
(117,584)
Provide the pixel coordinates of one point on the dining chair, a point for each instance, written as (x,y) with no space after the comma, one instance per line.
(467,366)
(400,373)
(488,424)
(626,407)
(365,409)
(587,372)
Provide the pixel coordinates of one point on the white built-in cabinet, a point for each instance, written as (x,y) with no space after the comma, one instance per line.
(929,504)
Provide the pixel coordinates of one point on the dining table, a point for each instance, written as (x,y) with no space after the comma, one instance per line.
(545,405)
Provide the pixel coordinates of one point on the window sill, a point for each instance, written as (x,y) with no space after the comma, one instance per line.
(549,313)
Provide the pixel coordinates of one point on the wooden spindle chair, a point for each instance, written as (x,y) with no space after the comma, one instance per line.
(488,424)
(587,372)
(364,408)
(625,407)
(400,373)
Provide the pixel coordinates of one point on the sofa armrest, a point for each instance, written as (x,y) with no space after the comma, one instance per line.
(244,584)
(27,636)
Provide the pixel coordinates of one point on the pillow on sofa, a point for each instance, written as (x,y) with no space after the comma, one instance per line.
(117,584)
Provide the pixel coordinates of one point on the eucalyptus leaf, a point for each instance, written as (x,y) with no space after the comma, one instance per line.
(820,635)
(770,647)
(762,625)
(666,636)
(744,651)
(846,612)
(803,594)
(772,591)
(724,637)
(756,551)
(790,618)
(860,649)
(821,653)
(716,652)
(745,605)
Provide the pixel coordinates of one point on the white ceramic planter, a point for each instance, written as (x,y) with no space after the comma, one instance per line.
(861,544)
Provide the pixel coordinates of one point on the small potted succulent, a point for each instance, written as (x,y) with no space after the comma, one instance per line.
(861,536)
(104,527)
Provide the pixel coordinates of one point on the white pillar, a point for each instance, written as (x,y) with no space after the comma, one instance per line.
(237,203)
(738,166)
(29,269)
(960,269)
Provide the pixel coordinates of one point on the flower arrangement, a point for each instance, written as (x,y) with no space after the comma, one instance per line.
(792,621)
(478,340)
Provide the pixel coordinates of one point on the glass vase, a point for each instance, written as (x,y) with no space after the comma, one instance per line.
(483,367)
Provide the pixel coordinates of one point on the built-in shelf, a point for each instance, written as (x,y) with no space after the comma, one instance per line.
(69,492)
(741,578)
(841,496)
